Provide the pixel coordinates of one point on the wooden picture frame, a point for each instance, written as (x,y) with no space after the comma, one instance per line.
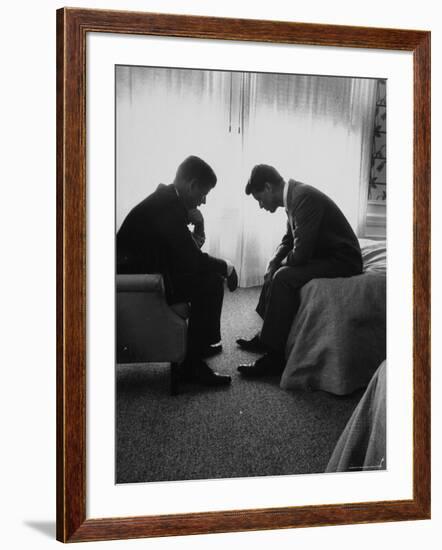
(72,28)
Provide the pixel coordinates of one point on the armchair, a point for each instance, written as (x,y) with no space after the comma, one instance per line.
(148,329)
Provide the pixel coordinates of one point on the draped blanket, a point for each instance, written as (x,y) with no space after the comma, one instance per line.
(338,337)
(362,445)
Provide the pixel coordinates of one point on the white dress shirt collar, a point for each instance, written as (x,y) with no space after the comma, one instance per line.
(284,193)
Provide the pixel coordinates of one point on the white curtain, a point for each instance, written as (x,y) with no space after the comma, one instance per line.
(313,129)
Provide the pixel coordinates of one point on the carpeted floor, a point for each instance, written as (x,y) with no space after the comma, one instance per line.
(252,428)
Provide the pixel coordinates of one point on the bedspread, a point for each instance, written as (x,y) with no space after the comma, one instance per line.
(338,337)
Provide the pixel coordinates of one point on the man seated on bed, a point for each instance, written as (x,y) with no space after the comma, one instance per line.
(154,238)
(319,243)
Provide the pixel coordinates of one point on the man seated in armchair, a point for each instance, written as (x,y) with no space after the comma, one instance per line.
(155,238)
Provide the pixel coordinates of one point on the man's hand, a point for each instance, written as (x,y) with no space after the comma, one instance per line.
(195,217)
(270,271)
(232,281)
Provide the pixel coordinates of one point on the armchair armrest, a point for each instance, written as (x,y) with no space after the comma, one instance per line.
(151,282)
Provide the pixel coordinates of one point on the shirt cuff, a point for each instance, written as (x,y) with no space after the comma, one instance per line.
(229,267)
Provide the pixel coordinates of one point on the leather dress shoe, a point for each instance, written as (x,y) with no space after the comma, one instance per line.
(199,372)
(211,351)
(254,344)
(270,364)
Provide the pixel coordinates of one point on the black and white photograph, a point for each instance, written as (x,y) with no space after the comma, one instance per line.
(250,274)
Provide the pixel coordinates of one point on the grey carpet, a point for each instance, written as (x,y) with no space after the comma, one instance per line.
(252,428)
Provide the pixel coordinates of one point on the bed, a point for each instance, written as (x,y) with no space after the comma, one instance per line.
(338,337)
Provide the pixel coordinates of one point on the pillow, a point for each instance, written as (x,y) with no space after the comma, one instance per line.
(374,255)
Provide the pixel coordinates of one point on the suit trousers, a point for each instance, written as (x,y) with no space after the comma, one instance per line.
(279,299)
(205,295)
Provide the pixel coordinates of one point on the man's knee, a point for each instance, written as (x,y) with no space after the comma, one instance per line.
(283,274)
(293,277)
(212,282)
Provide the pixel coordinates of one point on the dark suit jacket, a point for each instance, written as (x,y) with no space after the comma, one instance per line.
(154,238)
(316,229)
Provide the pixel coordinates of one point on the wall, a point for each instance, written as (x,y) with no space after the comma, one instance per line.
(28,275)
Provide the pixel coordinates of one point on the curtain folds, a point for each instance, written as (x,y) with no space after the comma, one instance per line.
(313,129)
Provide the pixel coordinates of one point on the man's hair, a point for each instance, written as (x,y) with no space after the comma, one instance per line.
(195,168)
(262,174)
